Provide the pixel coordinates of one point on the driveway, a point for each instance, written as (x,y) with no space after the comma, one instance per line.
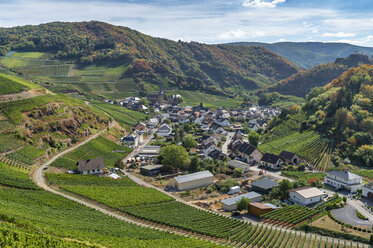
(348,215)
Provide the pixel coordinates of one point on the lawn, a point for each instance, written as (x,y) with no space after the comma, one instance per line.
(364,173)
(301,175)
(96,148)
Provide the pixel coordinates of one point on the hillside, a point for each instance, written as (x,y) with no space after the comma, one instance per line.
(340,112)
(309,54)
(302,82)
(35,123)
(137,60)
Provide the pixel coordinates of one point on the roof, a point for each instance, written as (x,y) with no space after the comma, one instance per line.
(270,158)
(346,175)
(265,183)
(285,155)
(152,167)
(150,149)
(91,164)
(237,164)
(233,200)
(247,148)
(193,176)
(307,192)
(165,126)
(270,205)
(259,205)
(130,137)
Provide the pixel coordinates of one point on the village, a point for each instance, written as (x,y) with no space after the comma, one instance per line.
(227,173)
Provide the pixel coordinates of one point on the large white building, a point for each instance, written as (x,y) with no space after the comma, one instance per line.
(192,181)
(367,190)
(343,179)
(306,195)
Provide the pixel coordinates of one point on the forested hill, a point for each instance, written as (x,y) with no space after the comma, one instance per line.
(302,82)
(342,112)
(212,68)
(309,54)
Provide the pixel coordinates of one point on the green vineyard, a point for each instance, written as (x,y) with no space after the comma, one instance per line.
(180,216)
(313,149)
(290,216)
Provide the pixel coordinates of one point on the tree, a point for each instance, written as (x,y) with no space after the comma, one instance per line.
(174,157)
(284,187)
(243,204)
(194,163)
(237,172)
(226,185)
(167,121)
(189,142)
(254,138)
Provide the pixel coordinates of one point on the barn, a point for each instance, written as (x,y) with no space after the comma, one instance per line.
(91,166)
(192,181)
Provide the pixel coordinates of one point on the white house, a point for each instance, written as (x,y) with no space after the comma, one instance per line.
(91,166)
(230,204)
(131,139)
(271,161)
(165,130)
(367,190)
(306,195)
(192,181)
(152,123)
(343,179)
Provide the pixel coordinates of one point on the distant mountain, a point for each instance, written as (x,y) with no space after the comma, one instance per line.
(309,54)
(302,82)
(218,69)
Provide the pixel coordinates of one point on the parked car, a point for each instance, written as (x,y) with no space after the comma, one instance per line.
(235,213)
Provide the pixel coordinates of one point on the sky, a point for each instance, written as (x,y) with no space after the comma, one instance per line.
(210,21)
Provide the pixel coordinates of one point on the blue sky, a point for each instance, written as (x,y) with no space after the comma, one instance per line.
(211,21)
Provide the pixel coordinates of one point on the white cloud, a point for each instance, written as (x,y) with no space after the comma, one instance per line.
(232,34)
(262,3)
(339,34)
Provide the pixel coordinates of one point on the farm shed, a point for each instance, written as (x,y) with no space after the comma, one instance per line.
(230,204)
(257,209)
(91,166)
(151,170)
(192,181)
(239,164)
(306,195)
(149,151)
(263,185)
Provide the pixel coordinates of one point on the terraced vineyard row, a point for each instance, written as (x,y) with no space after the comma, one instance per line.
(13,162)
(269,236)
(290,215)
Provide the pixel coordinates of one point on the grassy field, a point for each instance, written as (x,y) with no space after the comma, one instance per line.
(364,173)
(96,148)
(301,175)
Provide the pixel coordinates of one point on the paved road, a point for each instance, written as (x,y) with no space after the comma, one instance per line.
(224,147)
(348,215)
(275,174)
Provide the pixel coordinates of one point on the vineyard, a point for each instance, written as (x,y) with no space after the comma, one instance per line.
(96,148)
(290,216)
(14,176)
(178,215)
(115,193)
(8,86)
(315,150)
(26,154)
(122,115)
(13,109)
